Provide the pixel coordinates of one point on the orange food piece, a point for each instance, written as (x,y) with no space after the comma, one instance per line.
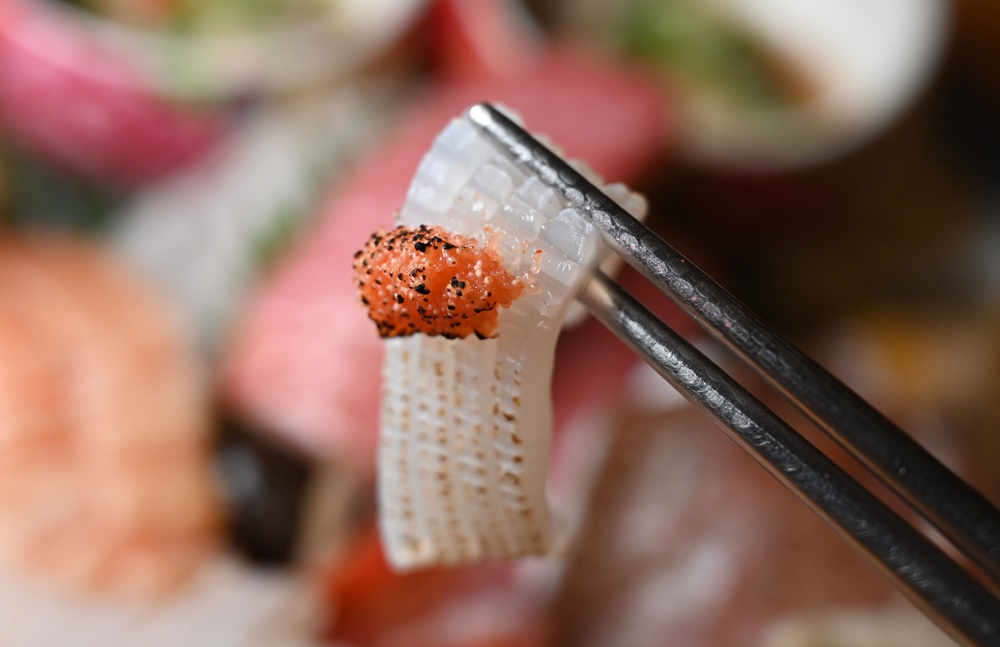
(105,458)
(430,281)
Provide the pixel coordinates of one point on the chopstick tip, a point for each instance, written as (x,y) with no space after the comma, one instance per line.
(481,113)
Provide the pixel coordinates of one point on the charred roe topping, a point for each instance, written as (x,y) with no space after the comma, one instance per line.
(429,281)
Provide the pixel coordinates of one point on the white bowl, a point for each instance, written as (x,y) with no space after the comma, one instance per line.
(865,61)
(848,68)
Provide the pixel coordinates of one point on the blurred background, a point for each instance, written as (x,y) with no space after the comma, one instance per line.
(189,392)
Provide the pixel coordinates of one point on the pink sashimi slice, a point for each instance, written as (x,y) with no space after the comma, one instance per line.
(473,40)
(306,361)
(84,108)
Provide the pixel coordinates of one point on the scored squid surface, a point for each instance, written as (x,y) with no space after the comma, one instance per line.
(466,423)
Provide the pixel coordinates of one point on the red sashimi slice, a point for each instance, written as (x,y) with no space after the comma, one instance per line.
(306,361)
(473,40)
(485,605)
(79,105)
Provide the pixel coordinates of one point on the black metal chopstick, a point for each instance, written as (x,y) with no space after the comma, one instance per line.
(946,592)
(933,581)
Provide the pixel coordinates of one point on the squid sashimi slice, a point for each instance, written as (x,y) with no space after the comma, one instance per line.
(466,422)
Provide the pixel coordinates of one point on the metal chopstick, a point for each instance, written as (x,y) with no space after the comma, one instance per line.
(960,512)
(933,581)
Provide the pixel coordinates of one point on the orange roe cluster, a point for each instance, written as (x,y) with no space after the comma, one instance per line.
(430,281)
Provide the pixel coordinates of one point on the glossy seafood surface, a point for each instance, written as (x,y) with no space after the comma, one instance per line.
(466,423)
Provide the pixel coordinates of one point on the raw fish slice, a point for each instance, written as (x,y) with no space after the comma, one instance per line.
(466,423)
(105,480)
(686,527)
(88,109)
(485,605)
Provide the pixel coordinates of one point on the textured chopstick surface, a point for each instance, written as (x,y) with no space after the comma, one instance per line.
(961,513)
(945,591)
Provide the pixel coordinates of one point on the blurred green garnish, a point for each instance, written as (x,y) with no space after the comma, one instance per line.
(690,42)
(203,16)
(36,194)
(274,238)
(217,16)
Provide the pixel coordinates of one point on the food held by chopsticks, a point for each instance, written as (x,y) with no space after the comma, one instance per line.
(466,412)
(283,366)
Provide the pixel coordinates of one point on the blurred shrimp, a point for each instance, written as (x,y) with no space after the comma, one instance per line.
(104,463)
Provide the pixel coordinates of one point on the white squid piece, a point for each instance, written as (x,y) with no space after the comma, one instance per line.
(466,424)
